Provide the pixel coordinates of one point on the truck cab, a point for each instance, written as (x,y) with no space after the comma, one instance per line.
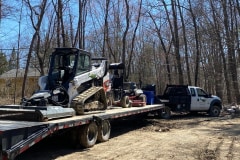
(184,98)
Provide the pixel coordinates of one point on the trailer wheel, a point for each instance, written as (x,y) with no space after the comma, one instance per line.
(104,130)
(88,135)
(214,111)
(165,113)
(125,102)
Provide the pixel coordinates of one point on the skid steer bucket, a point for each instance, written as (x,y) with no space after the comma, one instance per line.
(34,113)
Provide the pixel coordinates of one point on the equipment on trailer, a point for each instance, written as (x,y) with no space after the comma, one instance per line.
(73,86)
(124,94)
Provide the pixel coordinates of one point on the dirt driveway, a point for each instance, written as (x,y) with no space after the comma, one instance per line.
(184,137)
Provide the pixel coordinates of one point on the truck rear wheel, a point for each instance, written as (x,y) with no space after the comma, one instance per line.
(88,135)
(165,113)
(104,130)
(214,111)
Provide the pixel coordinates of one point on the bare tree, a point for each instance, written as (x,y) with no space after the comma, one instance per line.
(125,36)
(176,42)
(80,34)
(228,24)
(105,33)
(60,24)
(217,32)
(185,42)
(175,38)
(130,57)
(35,36)
(197,44)
(166,52)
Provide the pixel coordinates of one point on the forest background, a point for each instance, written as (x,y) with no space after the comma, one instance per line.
(194,42)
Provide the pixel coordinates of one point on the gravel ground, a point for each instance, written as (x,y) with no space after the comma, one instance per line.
(188,137)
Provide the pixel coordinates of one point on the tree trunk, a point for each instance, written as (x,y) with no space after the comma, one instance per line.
(222,55)
(60,13)
(176,43)
(162,43)
(105,30)
(185,44)
(124,37)
(80,34)
(196,76)
(34,38)
(133,41)
(230,50)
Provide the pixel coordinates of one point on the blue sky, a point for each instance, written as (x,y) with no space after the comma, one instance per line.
(9,27)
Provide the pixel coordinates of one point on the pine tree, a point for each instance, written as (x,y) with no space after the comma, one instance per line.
(12,63)
(3,63)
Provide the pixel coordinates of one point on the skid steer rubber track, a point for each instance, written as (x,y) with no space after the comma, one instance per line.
(90,100)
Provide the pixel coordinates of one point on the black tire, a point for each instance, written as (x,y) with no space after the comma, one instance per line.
(63,97)
(104,130)
(215,111)
(165,113)
(125,102)
(88,135)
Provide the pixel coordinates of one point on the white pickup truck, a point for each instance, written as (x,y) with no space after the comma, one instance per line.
(184,98)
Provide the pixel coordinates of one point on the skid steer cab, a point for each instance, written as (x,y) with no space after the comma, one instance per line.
(124,94)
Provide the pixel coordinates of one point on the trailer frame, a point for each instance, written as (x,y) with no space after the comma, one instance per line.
(18,136)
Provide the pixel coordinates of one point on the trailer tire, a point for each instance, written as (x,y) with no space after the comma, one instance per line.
(125,102)
(214,111)
(104,130)
(88,135)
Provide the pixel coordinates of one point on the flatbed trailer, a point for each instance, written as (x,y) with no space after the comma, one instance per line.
(18,136)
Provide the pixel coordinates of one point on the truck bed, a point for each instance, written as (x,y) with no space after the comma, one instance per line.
(17,136)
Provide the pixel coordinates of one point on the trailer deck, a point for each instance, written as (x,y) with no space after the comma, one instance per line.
(18,136)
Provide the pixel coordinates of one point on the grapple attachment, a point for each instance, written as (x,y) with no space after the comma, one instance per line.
(34,113)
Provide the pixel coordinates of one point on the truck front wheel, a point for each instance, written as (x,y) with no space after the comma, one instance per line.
(214,111)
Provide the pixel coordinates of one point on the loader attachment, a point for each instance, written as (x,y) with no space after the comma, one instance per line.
(34,113)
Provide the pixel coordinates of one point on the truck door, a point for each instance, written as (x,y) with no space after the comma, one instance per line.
(199,100)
